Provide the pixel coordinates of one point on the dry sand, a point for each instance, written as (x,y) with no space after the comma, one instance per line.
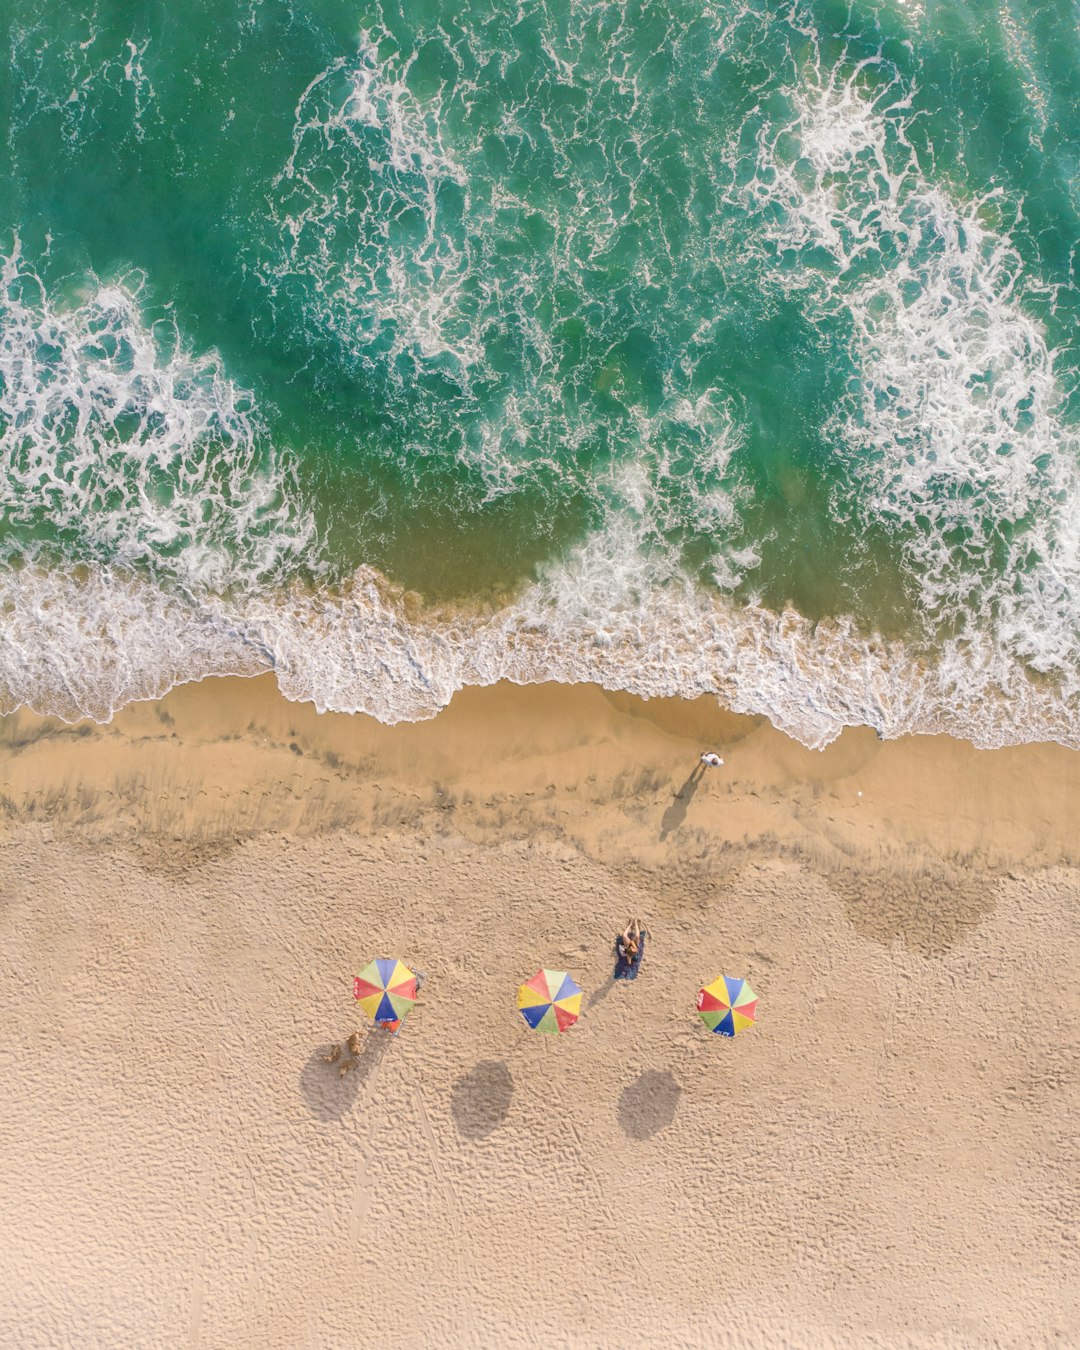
(890,1158)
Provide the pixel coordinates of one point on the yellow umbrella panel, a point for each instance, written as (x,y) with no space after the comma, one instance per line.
(727,1006)
(386,990)
(550,1002)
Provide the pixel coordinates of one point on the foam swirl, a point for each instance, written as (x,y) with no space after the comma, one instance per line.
(131,449)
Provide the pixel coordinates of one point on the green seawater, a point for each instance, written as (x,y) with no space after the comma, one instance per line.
(673,310)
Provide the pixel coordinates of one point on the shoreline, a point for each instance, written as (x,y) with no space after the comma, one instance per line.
(510,759)
(88,643)
(186,892)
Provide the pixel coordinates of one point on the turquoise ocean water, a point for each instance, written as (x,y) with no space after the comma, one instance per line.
(685,346)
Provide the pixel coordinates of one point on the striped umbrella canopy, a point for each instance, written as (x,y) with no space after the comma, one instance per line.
(727,1006)
(386,990)
(550,1002)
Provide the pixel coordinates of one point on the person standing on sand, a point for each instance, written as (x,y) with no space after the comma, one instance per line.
(673,816)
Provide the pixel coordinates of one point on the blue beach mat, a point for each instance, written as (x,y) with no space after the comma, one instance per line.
(624,969)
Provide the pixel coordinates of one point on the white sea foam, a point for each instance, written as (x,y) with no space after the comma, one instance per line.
(367,157)
(621,612)
(118,441)
(400,243)
(82,645)
(68,75)
(954,435)
(99,410)
(1015,25)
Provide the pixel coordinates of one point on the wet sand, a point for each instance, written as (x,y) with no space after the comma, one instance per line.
(890,1157)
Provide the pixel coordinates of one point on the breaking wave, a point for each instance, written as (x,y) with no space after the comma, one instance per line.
(953,436)
(84,644)
(531,253)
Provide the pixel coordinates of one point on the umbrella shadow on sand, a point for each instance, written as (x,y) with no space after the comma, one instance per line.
(480,1100)
(648,1105)
(680,803)
(328,1094)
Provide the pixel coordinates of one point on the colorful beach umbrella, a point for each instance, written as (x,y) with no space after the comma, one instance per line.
(386,990)
(550,1002)
(727,1006)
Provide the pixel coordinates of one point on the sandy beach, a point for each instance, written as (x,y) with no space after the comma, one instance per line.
(890,1158)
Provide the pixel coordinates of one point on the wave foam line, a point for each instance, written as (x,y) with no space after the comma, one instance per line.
(83,644)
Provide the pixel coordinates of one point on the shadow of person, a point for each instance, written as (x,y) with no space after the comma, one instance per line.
(327,1093)
(480,1099)
(676,812)
(648,1104)
(598,995)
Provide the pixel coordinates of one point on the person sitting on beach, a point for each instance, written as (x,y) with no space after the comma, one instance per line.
(630,948)
(393,1025)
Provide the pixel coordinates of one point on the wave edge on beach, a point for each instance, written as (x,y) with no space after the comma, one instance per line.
(83,644)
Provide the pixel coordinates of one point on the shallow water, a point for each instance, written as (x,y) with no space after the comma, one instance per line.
(684,348)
